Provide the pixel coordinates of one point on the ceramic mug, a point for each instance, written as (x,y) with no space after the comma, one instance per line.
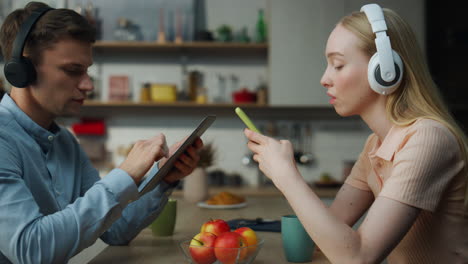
(297,245)
(165,222)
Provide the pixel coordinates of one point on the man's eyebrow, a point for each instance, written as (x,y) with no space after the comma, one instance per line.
(74,64)
(335,53)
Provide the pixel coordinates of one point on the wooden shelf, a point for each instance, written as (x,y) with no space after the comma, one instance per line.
(91,103)
(287,112)
(216,46)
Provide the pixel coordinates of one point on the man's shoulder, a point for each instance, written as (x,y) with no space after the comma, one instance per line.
(5,117)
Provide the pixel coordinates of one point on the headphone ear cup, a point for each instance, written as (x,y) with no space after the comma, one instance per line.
(374,77)
(20,72)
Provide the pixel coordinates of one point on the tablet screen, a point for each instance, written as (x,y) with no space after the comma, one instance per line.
(162,172)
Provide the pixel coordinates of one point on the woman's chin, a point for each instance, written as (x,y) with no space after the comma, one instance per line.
(342,112)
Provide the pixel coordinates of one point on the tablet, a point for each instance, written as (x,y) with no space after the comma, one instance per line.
(162,172)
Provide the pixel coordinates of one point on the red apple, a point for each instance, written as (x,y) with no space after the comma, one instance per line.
(201,248)
(250,237)
(227,247)
(216,226)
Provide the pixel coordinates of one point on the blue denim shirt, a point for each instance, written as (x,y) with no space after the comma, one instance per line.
(53,204)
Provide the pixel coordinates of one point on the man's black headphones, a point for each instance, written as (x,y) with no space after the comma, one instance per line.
(19,70)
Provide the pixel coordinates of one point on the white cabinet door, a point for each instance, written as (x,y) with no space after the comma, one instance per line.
(299,31)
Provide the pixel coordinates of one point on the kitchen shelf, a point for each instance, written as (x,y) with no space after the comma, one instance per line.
(177,47)
(92,103)
(288,112)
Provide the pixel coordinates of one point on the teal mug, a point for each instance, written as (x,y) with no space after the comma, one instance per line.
(165,222)
(297,244)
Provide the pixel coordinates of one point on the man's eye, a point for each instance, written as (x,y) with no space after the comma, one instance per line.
(73,72)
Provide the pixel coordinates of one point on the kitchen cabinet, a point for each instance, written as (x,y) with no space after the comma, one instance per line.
(299,30)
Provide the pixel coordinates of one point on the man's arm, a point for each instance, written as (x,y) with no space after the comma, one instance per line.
(29,236)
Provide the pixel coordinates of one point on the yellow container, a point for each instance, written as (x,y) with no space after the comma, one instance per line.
(161,92)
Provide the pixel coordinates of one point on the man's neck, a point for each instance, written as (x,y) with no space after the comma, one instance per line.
(31,107)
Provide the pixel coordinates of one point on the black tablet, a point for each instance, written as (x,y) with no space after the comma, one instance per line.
(162,172)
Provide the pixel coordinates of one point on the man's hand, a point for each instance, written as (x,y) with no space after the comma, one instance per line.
(143,155)
(186,163)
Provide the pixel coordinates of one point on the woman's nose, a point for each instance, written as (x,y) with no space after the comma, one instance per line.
(325,81)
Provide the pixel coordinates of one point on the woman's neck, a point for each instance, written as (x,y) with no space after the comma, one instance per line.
(377,120)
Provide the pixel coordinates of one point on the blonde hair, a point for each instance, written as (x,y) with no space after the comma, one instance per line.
(417,96)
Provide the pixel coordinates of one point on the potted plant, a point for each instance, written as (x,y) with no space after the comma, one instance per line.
(196,184)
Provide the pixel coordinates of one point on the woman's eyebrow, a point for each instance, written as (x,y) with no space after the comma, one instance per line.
(335,53)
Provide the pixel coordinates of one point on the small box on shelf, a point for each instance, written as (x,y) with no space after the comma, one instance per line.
(119,88)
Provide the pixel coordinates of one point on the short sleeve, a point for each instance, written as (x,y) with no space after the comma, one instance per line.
(358,176)
(423,166)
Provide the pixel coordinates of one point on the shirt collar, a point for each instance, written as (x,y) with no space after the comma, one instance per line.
(41,135)
(391,142)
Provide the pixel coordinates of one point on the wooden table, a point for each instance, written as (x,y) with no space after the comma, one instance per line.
(146,248)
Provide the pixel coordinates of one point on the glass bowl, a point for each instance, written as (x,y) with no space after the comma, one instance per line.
(217,255)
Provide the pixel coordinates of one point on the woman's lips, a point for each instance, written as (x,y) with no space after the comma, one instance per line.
(332,99)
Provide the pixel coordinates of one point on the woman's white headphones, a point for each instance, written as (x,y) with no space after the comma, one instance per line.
(385,68)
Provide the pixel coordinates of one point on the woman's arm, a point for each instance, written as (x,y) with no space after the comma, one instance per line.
(351,203)
(385,225)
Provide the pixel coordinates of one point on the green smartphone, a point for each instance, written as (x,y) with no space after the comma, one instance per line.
(246,120)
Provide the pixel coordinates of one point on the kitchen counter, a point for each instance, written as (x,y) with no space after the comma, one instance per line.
(146,248)
(271,191)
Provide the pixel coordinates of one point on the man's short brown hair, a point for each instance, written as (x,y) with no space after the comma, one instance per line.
(53,26)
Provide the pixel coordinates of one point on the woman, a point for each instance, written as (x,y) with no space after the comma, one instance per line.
(411,176)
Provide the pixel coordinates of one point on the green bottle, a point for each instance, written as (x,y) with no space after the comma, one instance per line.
(261,28)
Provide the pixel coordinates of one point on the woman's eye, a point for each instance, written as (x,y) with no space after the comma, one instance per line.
(339,67)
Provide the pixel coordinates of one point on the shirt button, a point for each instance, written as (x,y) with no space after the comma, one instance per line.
(50,138)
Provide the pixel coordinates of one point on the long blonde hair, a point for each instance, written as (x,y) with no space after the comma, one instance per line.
(418,95)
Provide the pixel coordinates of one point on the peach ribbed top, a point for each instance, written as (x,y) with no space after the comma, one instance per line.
(420,165)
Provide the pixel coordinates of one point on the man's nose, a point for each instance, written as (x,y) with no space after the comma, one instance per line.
(86,83)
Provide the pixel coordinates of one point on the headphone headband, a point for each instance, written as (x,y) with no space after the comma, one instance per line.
(25,29)
(376,18)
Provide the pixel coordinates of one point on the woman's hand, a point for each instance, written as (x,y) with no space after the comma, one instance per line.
(186,163)
(275,158)
(143,155)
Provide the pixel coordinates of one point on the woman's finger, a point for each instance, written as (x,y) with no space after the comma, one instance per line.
(256,157)
(254,147)
(255,137)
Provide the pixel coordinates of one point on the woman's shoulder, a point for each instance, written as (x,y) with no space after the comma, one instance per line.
(430,126)
(430,129)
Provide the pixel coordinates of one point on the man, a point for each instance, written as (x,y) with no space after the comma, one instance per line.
(52,202)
